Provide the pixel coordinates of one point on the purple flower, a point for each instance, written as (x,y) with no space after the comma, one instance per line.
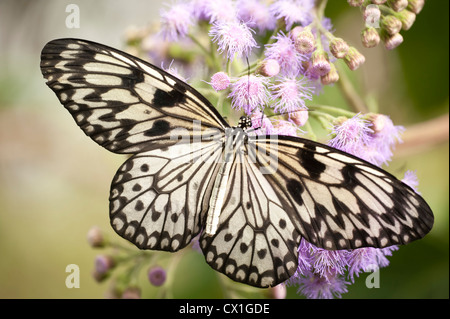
(249,93)
(313,286)
(367,259)
(157,276)
(171,69)
(261,124)
(290,94)
(269,68)
(411,180)
(255,14)
(293,11)
(200,9)
(384,138)
(220,11)
(299,117)
(352,136)
(324,262)
(320,65)
(103,263)
(220,81)
(234,38)
(175,21)
(283,127)
(321,273)
(284,52)
(372,144)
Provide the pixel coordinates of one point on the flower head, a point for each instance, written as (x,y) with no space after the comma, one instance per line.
(338,47)
(352,135)
(354,59)
(261,124)
(255,14)
(313,286)
(304,40)
(370,37)
(299,118)
(411,180)
(293,11)
(220,81)
(290,94)
(320,65)
(95,237)
(200,9)
(220,11)
(268,67)
(286,128)
(328,263)
(234,38)
(383,140)
(157,276)
(284,52)
(103,264)
(175,21)
(249,93)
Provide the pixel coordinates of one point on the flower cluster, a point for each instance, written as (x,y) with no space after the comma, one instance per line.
(325,274)
(371,137)
(123,265)
(384,19)
(268,59)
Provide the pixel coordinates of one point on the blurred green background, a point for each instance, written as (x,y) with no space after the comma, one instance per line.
(54,181)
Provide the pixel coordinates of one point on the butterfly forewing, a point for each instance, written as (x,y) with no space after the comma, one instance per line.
(123,103)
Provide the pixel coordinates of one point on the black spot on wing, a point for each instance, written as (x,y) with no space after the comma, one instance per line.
(171,98)
(160,127)
(309,162)
(295,188)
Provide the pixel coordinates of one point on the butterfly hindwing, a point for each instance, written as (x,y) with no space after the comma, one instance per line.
(256,241)
(123,103)
(158,197)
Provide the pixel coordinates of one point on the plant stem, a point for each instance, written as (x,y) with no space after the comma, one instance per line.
(331,109)
(349,92)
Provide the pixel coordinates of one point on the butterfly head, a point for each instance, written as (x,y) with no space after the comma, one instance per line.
(245,122)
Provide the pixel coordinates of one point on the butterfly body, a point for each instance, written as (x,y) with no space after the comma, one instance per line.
(253,196)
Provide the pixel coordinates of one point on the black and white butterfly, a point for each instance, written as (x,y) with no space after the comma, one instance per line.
(191,173)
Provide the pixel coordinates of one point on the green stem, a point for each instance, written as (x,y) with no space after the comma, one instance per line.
(321,9)
(349,92)
(324,119)
(200,46)
(174,261)
(331,109)
(310,131)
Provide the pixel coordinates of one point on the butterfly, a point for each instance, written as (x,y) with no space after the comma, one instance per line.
(251,198)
